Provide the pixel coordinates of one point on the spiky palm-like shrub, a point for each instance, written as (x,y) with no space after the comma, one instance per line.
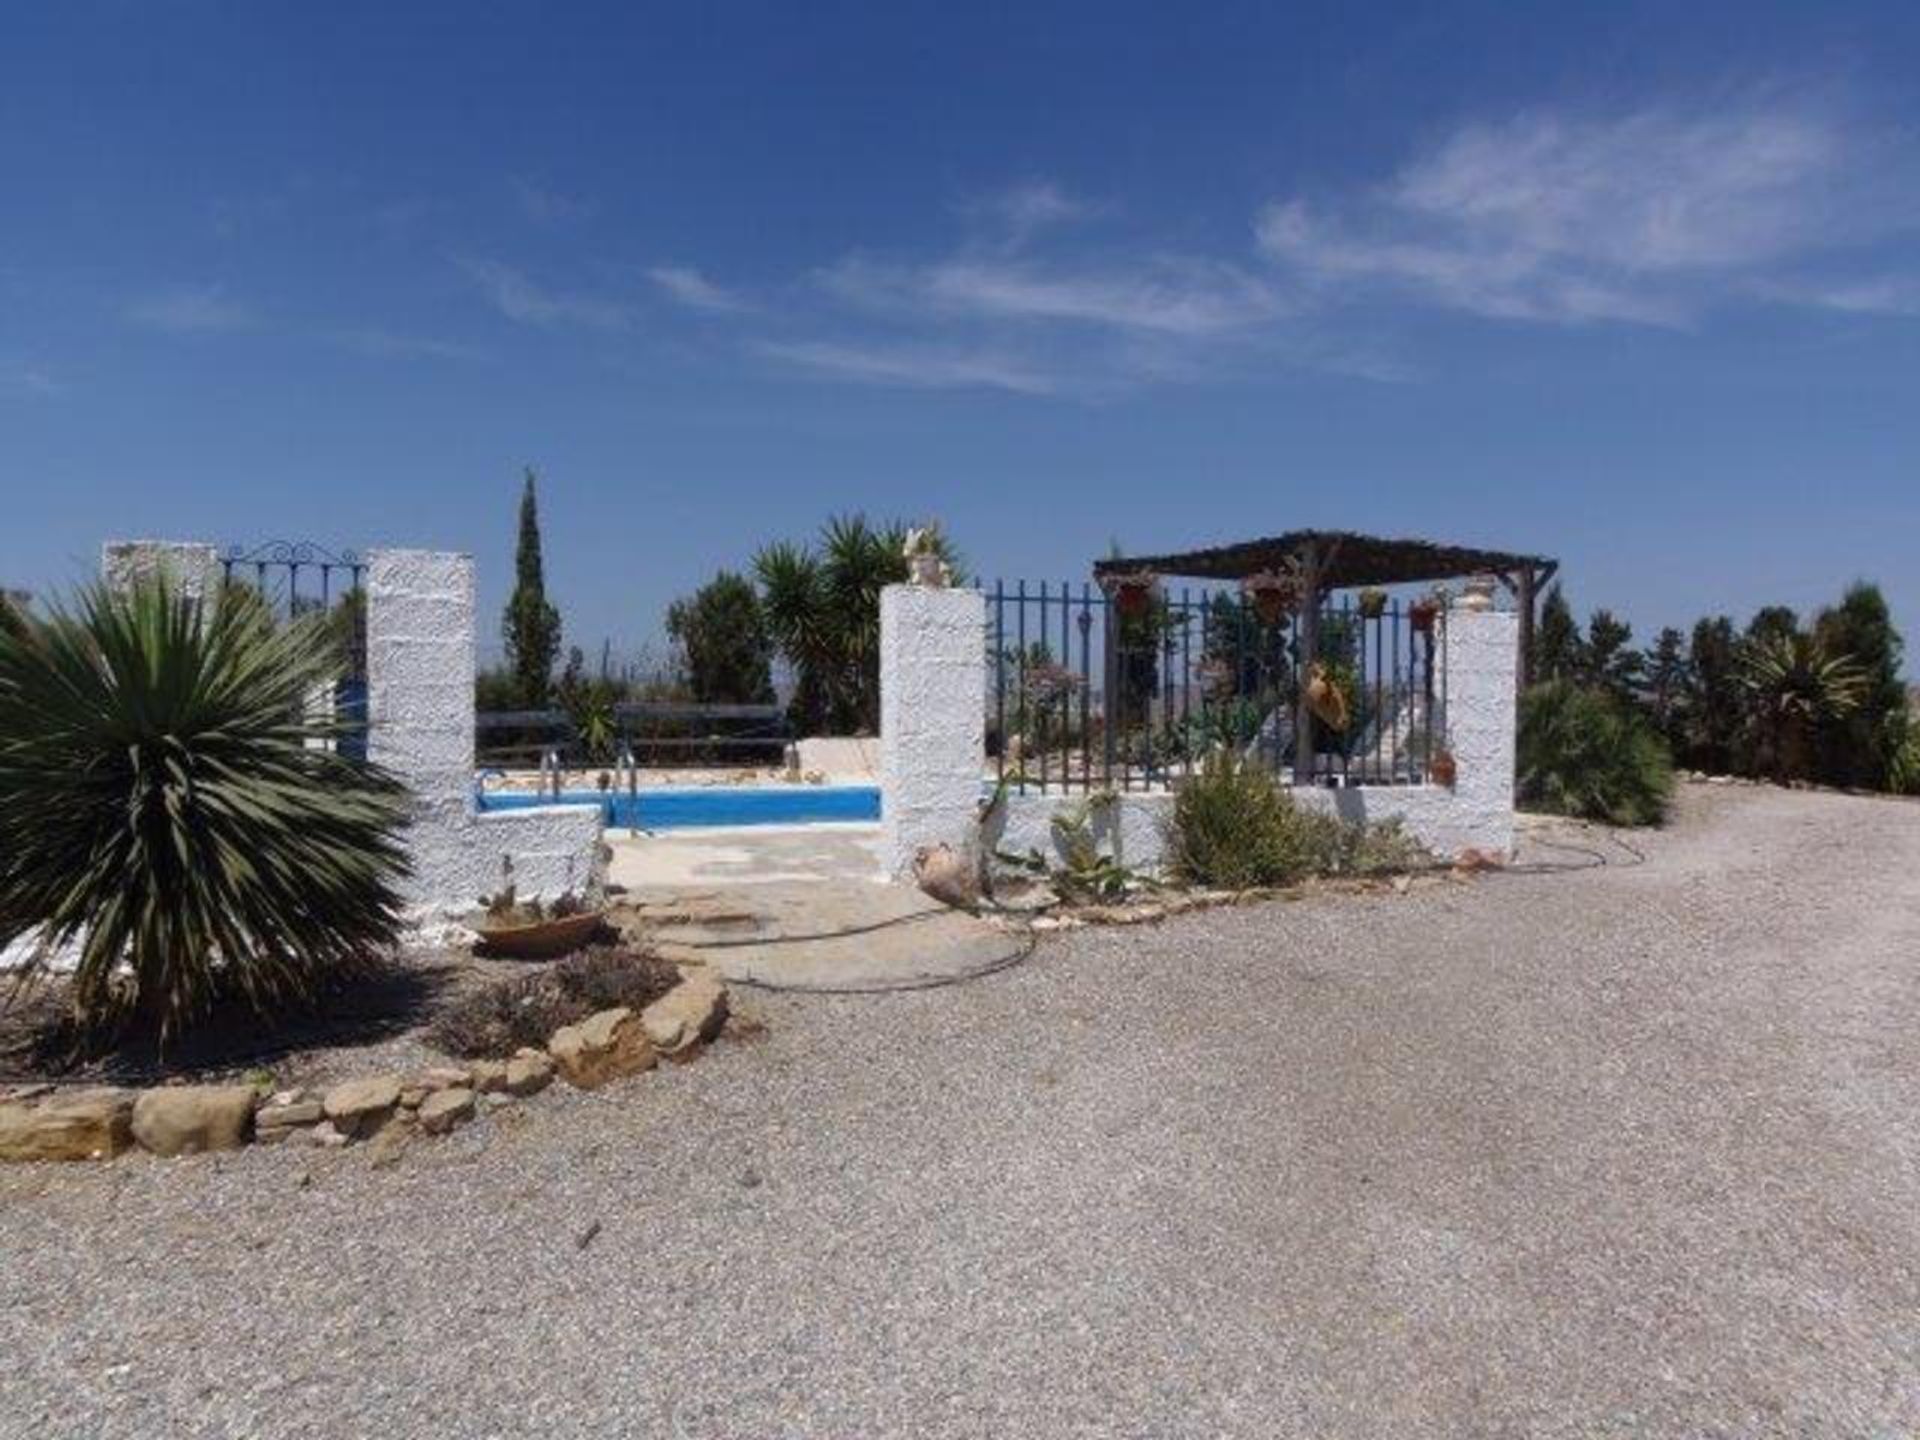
(164,808)
(822,610)
(1795,685)
(1582,752)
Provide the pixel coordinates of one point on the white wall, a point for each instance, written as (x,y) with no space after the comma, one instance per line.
(933,714)
(191,564)
(420,664)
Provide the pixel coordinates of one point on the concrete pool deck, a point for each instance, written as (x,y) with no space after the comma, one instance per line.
(795,907)
(745,855)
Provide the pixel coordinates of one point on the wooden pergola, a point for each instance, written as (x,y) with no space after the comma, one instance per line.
(1327,560)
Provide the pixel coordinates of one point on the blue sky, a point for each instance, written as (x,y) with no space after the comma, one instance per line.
(1633,287)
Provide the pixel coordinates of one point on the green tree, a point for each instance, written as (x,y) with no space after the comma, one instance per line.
(822,609)
(531,625)
(1715,700)
(173,805)
(724,646)
(1664,681)
(1772,622)
(1860,748)
(1610,662)
(1559,653)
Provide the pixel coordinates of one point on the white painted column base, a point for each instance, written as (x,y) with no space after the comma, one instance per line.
(933,686)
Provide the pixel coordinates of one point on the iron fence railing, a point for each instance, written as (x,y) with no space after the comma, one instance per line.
(297,577)
(1090,691)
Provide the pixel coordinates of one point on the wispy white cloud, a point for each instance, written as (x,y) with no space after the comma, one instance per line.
(189,309)
(22,378)
(1020,212)
(519,298)
(1648,216)
(390,343)
(547,206)
(1169,294)
(912,364)
(1868,295)
(694,290)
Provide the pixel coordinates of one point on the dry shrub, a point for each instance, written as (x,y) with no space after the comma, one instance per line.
(496,1021)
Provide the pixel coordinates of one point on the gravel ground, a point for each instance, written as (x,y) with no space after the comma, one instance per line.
(1626,1150)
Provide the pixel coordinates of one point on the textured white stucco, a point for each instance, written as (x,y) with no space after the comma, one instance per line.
(933,685)
(192,565)
(420,662)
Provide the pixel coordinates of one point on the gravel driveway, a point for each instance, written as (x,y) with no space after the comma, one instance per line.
(1611,1151)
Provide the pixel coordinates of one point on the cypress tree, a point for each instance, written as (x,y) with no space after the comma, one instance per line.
(531,626)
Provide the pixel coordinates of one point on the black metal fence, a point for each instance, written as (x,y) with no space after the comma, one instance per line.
(1092,691)
(297,577)
(645,733)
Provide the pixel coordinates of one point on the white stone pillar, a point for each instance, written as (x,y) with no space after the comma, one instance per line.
(192,565)
(1480,659)
(933,686)
(420,657)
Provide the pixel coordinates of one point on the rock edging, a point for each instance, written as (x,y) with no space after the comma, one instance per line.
(102,1122)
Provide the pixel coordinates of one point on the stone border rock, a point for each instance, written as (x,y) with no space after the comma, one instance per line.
(100,1123)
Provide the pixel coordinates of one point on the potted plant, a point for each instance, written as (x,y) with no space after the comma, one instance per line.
(1373,603)
(514,929)
(1273,595)
(1422,613)
(1133,592)
(1442,769)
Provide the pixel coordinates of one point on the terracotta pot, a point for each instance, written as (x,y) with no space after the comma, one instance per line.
(1273,596)
(1327,701)
(537,939)
(1133,598)
(1442,769)
(1421,614)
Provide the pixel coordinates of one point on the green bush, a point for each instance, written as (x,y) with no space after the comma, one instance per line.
(164,808)
(1583,753)
(1234,828)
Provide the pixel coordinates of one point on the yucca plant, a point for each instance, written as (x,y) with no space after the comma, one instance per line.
(171,810)
(1794,685)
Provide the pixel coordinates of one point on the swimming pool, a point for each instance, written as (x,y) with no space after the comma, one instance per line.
(674,809)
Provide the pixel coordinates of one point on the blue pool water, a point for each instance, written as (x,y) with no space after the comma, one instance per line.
(716,805)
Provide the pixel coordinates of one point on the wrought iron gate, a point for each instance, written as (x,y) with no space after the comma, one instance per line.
(298,577)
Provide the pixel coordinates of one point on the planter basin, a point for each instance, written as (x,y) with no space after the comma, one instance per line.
(538,939)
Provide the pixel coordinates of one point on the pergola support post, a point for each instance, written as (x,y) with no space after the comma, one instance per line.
(1307,646)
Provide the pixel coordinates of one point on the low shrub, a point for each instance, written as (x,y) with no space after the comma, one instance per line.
(1234,828)
(499,1019)
(1583,753)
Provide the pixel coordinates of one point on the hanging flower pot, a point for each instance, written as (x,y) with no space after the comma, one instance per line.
(1373,603)
(1421,614)
(1327,698)
(1442,769)
(1273,595)
(1133,593)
